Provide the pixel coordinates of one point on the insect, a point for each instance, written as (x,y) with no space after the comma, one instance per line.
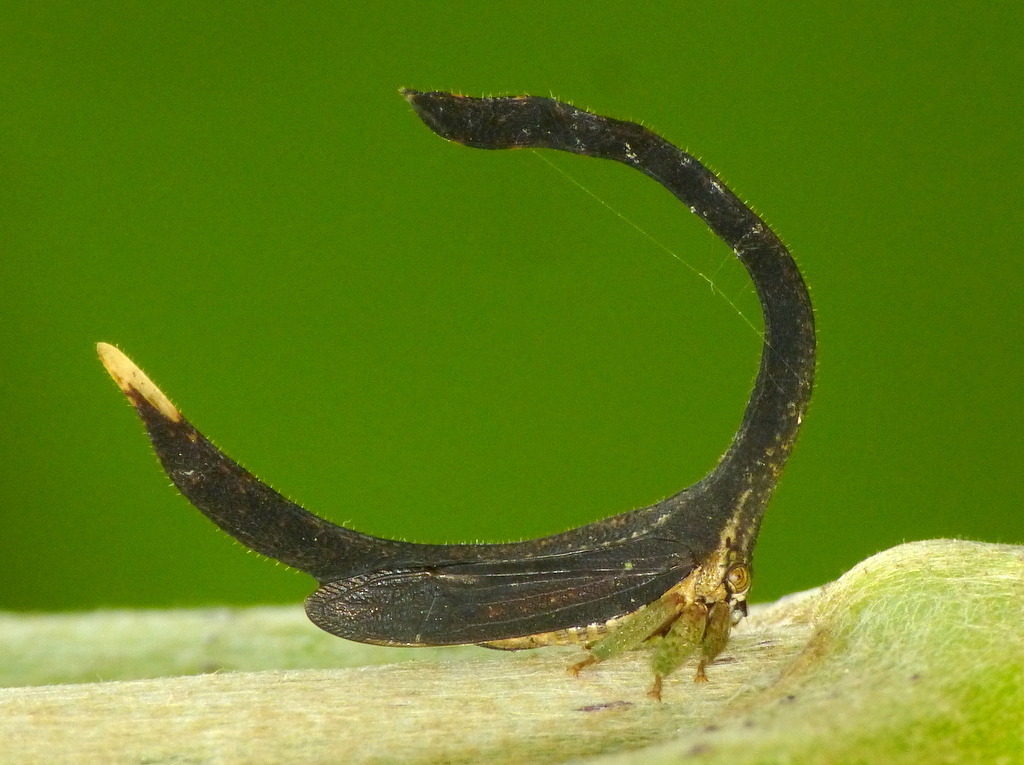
(672,576)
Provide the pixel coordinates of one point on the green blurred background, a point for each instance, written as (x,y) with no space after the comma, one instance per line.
(439,344)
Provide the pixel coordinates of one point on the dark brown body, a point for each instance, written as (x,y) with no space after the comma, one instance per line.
(683,549)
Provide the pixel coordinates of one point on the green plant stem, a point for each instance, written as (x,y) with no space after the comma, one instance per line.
(915,655)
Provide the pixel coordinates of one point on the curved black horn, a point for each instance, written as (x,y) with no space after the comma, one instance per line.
(390,592)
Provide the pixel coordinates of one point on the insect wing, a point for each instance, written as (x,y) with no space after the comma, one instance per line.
(457,603)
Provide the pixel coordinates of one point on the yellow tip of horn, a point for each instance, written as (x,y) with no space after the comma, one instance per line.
(131,380)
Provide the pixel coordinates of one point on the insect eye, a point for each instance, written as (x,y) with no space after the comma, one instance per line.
(738,579)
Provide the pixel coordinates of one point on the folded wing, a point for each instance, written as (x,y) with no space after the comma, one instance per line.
(452,603)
